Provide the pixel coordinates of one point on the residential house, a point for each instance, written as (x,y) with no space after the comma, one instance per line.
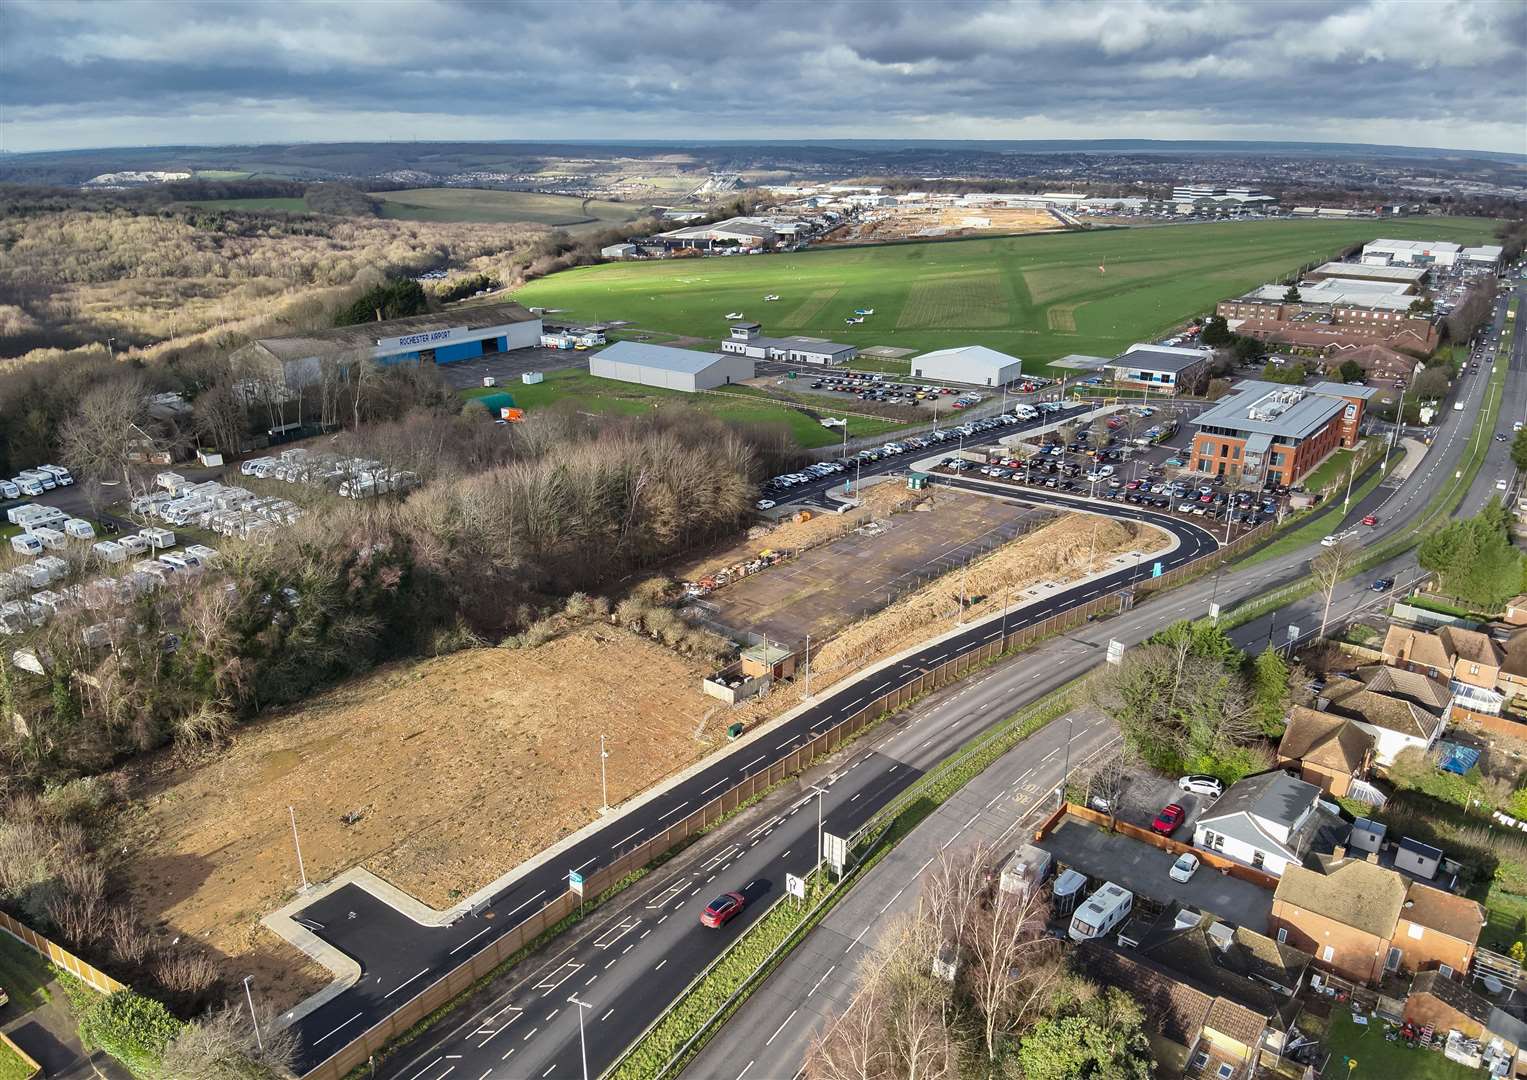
(1344,917)
(1379,363)
(1516,611)
(1329,751)
(1402,709)
(1445,1006)
(1436,931)
(1361,920)
(1469,660)
(1513,667)
(1267,822)
(1222,1037)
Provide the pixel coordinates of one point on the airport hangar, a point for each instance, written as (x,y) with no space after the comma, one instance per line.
(973,364)
(445,337)
(670,368)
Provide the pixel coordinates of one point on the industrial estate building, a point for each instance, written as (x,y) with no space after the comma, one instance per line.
(1271,432)
(1411,276)
(747,339)
(1208,193)
(1428,253)
(667,367)
(1339,310)
(441,338)
(974,364)
(1162,369)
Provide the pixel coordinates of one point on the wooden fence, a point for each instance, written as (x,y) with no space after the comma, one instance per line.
(456,982)
(61,957)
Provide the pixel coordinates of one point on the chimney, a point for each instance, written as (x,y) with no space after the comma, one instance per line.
(1339,851)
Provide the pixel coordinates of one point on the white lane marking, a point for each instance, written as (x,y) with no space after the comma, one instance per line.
(352,1020)
(532,900)
(675,810)
(606,1016)
(787,742)
(468,941)
(660,964)
(856,796)
(822,979)
(633,836)
(714,786)
(529,1033)
(744,1071)
(750,764)
(426,1068)
(548,1071)
(782,1026)
(552,1015)
(411,978)
(584,863)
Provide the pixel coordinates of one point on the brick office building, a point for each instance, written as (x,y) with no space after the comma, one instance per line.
(1333,314)
(1270,432)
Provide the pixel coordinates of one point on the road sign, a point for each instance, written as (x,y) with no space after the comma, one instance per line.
(795,886)
(1156,570)
(1214,611)
(575,882)
(1293,632)
(1115,651)
(834,851)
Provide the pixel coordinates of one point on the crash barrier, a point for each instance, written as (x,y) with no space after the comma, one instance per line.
(451,984)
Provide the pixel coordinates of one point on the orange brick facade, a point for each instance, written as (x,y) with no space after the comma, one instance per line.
(1224,455)
(1276,321)
(1424,949)
(1336,947)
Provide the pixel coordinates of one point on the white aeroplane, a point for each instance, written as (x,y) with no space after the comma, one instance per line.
(771,296)
(734,314)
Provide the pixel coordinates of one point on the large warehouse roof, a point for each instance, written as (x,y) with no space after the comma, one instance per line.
(1380,295)
(661,357)
(1409,274)
(1149,358)
(969,354)
(366,336)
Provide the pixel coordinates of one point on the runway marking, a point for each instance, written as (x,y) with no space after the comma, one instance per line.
(411,978)
(352,1020)
(714,786)
(782,1026)
(532,900)
(675,810)
(468,941)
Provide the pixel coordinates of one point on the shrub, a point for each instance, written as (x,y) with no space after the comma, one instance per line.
(131,1028)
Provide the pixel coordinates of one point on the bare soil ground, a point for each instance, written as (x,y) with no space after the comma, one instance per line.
(828,587)
(456,769)
(461,767)
(903,223)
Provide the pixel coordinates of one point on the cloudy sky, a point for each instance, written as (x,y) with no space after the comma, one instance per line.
(1448,73)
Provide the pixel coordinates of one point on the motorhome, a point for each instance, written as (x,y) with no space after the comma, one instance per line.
(45,479)
(1027,871)
(61,476)
(1104,910)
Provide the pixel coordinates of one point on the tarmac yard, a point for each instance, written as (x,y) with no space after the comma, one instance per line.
(830,586)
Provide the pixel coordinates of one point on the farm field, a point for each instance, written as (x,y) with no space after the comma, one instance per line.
(743,406)
(472,204)
(292,206)
(1036,297)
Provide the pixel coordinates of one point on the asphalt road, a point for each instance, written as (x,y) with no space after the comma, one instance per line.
(400,958)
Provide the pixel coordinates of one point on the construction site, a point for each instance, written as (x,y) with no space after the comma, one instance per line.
(910,222)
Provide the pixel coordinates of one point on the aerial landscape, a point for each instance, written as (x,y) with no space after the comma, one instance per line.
(980,538)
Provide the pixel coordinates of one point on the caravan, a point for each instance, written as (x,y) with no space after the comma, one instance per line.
(1104,910)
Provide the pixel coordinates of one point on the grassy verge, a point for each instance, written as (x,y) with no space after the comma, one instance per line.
(1323,524)
(23,973)
(13,1066)
(719,992)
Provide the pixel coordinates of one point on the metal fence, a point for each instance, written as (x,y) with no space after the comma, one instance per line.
(456,982)
(56,954)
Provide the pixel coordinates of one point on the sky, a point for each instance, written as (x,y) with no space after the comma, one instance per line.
(1438,73)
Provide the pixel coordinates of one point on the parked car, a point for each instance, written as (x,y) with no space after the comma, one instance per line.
(1383,584)
(1185,867)
(722,910)
(1170,817)
(1198,784)
(765,504)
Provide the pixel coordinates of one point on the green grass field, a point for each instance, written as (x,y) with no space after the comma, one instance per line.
(472,204)
(597,395)
(23,973)
(1036,297)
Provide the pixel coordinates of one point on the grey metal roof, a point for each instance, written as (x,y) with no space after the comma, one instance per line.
(1157,360)
(1286,411)
(340,339)
(1275,796)
(1416,847)
(658,357)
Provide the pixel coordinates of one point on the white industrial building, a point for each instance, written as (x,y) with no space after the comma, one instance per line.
(1238,196)
(1488,254)
(670,368)
(975,364)
(1411,252)
(747,340)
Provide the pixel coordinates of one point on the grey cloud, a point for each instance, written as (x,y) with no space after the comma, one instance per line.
(1443,73)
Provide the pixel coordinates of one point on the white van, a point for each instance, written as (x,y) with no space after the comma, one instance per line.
(28,485)
(1104,910)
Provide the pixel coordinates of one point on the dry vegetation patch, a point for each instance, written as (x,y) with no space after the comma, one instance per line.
(455,769)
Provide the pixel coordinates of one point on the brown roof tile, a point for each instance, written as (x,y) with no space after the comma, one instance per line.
(1452,994)
(1416,647)
(1456,916)
(1171,1006)
(1431,694)
(1470,646)
(1350,698)
(1352,892)
(1237,1021)
(1323,739)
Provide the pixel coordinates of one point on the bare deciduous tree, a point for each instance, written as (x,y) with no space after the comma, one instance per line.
(107,429)
(1329,569)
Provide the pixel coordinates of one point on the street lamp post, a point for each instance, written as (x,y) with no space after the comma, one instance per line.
(820,790)
(253,1019)
(583,1046)
(604,786)
(1065,780)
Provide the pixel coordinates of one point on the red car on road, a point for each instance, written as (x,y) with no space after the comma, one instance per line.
(725,907)
(1370,520)
(1170,817)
